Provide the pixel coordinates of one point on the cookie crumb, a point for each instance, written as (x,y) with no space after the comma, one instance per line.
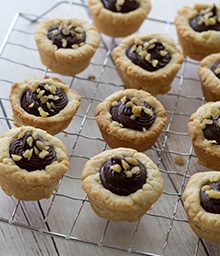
(179,160)
(91,77)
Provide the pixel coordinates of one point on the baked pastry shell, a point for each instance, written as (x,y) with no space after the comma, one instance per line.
(65,61)
(53,124)
(117,136)
(206,225)
(210,83)
(133,76)
(208,153)
(196,45)
(35,185)
(118,24)
(121,208)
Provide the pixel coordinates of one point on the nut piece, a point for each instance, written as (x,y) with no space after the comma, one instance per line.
(116,168)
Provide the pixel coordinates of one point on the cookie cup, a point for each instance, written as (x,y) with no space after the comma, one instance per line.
(52,124)
(34,185)
(205,225)
(196,45)
(210,83)
(133,76)
(118,24)
(207,151)
(66,61)
(121,208)
(117,136)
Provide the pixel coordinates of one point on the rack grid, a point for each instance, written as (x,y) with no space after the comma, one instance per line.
(66,221)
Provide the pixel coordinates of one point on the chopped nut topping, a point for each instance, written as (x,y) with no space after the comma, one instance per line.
(213,194)
(143,48)
(135,170)
(78,36)
(154,63)
(40,93)
(217,70)
(43,154)
(64,43)
(116,168)
(42,112)
(28,153)
(163,53)
(40,145)
(43,99)
(30,141)
(75,46)
(208,17)
(55,32)
(79,30)
(206,187)
(125,165)
(36,151)
(131,160)
(31,105)
(66,30)
(16,157)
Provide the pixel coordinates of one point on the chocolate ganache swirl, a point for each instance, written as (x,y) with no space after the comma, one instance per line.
(66,36)
(150,55)
(123,6)
(123,176)
(210,197)
(32,153)
(45,100)
(206,20)
(212,131)
(133,113)
(216,69)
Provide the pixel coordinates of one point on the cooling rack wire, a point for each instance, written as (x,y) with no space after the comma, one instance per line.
(164,229)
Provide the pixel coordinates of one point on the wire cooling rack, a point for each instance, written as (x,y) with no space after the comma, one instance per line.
(65,223)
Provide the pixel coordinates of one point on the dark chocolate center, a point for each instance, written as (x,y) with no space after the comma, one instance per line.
(66,36)
(137,115)
(212,131)
(150,55)
(34,153)
(121,183)
(51,102)
(121,6)
(206,20)
(209,204)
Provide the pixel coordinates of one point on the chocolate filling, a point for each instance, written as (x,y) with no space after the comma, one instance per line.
(51,103)
(123,6)
(119,182)
(150,55)
(212,131)
(216,69)
(125,114)
(209,204)
(29,150)
(206,20)
(66,36)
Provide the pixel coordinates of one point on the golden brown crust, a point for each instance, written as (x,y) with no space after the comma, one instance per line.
(207,151)
(194,44)
(117,136)
(133,76)
(34,185)
(66,61)
(209,81)
(206,225)
(53,124)
(118,24)
(121,208)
